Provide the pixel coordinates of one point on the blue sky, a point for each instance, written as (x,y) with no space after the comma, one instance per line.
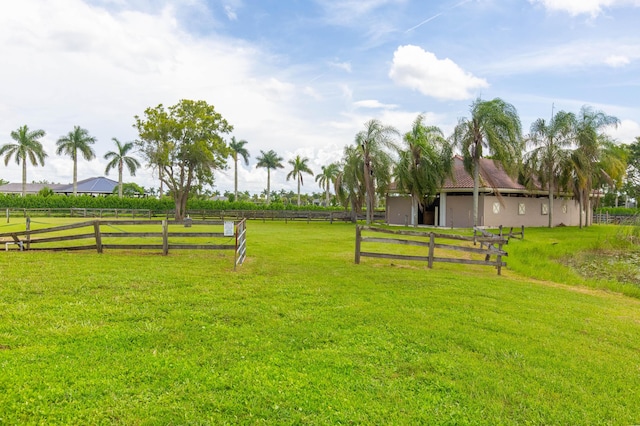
(302,77)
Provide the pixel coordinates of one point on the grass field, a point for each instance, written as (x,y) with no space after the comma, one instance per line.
(302,335)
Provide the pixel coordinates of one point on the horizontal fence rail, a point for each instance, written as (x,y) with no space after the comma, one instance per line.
(616,219)
(264,215)
(125,234)
(430,242)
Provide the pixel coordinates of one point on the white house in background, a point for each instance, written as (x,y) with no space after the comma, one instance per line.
(501,201)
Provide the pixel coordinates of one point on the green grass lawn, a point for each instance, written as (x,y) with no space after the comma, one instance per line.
(302,335)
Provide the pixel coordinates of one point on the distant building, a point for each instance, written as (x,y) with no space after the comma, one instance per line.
(501,201)
(93,186)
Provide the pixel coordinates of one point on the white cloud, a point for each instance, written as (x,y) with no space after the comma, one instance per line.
(346,66)
(231,13)
(617,61)
(568,56)
(443,79)
(579,7)
(626,132)
(373,104)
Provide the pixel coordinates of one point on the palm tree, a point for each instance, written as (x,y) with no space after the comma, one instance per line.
(118,159)
(237,149)
(372,142)
(327,178)
(424,165)
(76,140)
(26,147)
(299,166)
(587,155)
(494,126)
(551,141)
(269,160)
(349,183)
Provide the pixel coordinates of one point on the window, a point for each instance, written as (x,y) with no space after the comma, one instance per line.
(521,208)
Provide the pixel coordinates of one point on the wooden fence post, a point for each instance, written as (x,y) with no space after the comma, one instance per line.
(96,231)
(523,232)
(499,259)
(432,244)
(358,238)
(28,229)
(7,215)
(165,237)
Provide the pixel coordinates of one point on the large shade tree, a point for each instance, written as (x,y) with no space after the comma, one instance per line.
(119,159)
(238,150)
(375,141)
(327,178)
(185,143)
(76,140)
(423,165)
(298,167)
(493,129)
(552,143)
(269,160)
(27,147)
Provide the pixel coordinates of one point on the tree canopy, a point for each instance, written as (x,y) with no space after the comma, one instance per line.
(184,143)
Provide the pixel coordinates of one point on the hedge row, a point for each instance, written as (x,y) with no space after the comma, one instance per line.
(618,211)
(113,202)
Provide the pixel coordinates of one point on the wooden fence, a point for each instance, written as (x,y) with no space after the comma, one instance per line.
(430,242)
(113,235)
(264,215)
(485,232)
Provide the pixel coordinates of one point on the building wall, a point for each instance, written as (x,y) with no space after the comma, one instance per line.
(518,211)
(509,211)
(399,210)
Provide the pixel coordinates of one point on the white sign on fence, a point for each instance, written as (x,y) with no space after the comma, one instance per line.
(228,228)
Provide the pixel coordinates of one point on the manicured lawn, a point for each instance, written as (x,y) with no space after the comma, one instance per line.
(302,335)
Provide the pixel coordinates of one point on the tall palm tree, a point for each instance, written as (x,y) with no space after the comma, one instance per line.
(328,178)
(349,183)
(27,147)
(76,140)
(269,160)
(237,150)
(119,159)
(299,166)
(552,142)
(373,141)
(424,164)
(586,157)
(494,126)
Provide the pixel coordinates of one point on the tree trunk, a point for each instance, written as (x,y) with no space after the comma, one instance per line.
(414,210)
(120,179)
(180,198)
(299,176)
(235,179)
(328,194)
(367,187)
(24,177)
(75,176)
(268,185)
(551,189)
(476,185)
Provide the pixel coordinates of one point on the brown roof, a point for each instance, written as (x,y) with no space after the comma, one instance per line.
(492,175)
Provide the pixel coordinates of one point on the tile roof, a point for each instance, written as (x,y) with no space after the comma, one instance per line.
(492,175)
